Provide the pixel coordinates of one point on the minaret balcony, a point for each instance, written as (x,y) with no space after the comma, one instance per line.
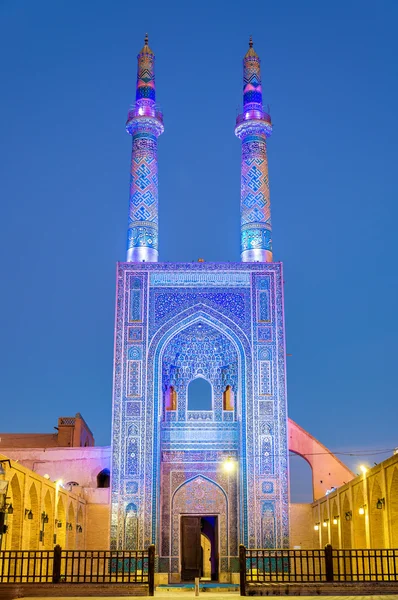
(253,115)
(138,110)
(145,116)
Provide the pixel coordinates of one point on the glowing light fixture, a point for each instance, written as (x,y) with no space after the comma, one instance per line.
(229,465)
(380,503)
(316,526)
(325,523)
(335,520)
(363,469)
(362,510)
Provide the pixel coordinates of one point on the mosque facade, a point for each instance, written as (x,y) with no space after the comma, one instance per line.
(186,479)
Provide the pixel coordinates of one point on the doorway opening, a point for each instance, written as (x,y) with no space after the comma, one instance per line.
(199,547)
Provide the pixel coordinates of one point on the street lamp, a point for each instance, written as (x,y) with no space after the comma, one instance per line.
(44,520)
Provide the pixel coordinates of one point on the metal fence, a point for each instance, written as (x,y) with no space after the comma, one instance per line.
(264,566)
(79,566)
(103,566)
(365,565)
(26,566)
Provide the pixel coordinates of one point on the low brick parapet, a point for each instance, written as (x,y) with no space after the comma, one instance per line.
(322,589)
(9,591)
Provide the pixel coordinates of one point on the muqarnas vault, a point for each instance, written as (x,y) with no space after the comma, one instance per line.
(191,480)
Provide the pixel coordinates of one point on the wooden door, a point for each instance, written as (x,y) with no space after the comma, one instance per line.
(190,548)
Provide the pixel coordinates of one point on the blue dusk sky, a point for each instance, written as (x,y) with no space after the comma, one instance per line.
(329,70)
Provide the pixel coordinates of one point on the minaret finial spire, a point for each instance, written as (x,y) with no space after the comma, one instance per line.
(144,124)
(253,127)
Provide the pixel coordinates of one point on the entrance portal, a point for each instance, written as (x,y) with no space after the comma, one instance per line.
(199,547)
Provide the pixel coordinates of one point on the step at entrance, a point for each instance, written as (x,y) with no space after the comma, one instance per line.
(204,586)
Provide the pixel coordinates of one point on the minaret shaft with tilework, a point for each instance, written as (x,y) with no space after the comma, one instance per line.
(253,127)
(144,124)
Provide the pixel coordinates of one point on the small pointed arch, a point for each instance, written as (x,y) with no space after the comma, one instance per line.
(345,518)
(200,394)
(203,478)
(325,528)
(79,528)
(228,398)
(15,519)
(359,517)
(60,523)
(376,516)
(170,398)
(70,527)
(334,527)
(131,510)
(33,523)
(47,522)
(103,478)
(48,505)
(131,527)
(393,501)
(133,430)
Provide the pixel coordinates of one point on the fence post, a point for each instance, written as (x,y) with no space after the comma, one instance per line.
(329,562)
(242,569)
(151,570)
(57,564)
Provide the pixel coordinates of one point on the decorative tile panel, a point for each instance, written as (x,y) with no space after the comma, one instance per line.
(265,388)
(134,378)
(193,324)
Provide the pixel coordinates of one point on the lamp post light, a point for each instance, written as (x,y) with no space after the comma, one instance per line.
(44,520)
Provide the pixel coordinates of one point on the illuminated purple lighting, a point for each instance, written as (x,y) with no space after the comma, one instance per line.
(144,124)
(253,127)
(218,457)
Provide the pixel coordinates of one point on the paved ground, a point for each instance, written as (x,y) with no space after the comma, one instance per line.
(225,596)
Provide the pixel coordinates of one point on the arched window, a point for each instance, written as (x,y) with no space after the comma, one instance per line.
(200,395)
(103,479)
(170,398)
(228,398)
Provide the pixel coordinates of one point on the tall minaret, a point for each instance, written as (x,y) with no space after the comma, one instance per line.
(253,127)
(144,124)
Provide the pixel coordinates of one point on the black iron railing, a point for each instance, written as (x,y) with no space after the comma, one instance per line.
(103,566)
(26,566)
(365,565)
(79,566)
(264,566)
